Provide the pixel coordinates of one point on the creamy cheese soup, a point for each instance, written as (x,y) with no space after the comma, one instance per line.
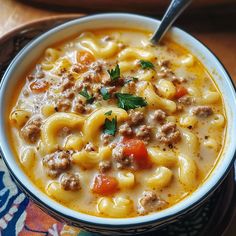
(109,125)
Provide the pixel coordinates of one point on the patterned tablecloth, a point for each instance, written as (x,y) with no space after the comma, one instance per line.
(19,216)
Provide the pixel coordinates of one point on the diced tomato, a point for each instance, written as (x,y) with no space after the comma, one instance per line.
(85,58)
(180,91)
(105,185)
(138,150)
(39,86)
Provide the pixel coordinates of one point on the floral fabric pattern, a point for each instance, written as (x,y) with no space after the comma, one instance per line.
(21,217)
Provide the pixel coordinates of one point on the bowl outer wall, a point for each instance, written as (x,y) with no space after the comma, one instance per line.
(33,51)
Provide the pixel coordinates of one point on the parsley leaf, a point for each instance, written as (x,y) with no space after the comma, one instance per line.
(105,93)
(85,94)
(128,101)
(114,73)
(108,113)
(110,126)
(146,64)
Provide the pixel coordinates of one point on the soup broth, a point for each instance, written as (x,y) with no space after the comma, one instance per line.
(109,125)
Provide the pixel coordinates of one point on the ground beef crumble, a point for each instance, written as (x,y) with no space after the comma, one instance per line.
(97,66)
(178,80)
(166,72)
(159,116)
(56,163)
(122,161)
(186,100)
(111,90)
(144,132)
(67,83)
(90,76)
(125,129)
(151,202)
(31,131)
(136,117)
(164,63)
(79,105)
(80,84)
(106,80)
(169,134)
(104,166)
(70,182)
(78,68)
(179,107)
(202,111)
(63,105)
(69,94)
(106,138)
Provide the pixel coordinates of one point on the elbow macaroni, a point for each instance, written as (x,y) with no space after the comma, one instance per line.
(166,88)
(218,121)
(160,179)
(51,55)
(27,157)
(190,143)
(74,142)
(127,65)
(126,179)
(211,143)
(187,171)
(187,60)
(89,160)
(156,101)
(47,110)
(135,53)
(88,42)
(147,75)
(54,190)
(86,159)
(210,97)
(162,158)
(188,121)
(117,207)
(56,122)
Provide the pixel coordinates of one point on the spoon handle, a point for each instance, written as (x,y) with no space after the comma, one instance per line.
(174,10)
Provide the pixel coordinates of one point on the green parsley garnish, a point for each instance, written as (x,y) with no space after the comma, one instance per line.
(108,113)
(128,101)
(110,126)
(105,93)
(146,64)
(114,73)
(85,94)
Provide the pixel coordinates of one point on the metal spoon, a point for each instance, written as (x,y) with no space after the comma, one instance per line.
(175,8)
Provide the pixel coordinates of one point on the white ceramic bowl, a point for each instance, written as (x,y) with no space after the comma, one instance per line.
(33,51)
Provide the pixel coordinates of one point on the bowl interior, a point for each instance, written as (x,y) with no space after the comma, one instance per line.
(31,53)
